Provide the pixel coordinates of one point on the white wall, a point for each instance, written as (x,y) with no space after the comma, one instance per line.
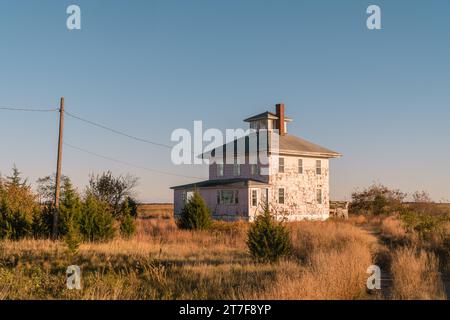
(300,189)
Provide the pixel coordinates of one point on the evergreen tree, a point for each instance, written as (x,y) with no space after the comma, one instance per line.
(43,221)
(69,208)
(195,214)
(17,206)
(127,225)
(72,238)
(15,179)
(96,220)
(268,240)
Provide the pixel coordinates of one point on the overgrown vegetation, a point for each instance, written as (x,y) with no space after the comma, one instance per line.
(416,233)
(88,217)
(156,259)
(162,261)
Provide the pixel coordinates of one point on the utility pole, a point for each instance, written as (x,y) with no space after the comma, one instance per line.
(58,169)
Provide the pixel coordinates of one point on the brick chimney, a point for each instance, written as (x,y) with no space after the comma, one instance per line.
(280,115)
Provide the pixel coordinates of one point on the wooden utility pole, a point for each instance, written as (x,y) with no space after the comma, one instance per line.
(58,169)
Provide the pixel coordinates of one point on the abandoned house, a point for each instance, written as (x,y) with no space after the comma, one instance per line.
(293,180)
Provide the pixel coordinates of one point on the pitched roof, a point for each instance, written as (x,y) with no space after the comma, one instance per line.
(266,115)
(242,182)
(288,145)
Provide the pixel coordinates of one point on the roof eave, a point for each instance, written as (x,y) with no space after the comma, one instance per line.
(309,154)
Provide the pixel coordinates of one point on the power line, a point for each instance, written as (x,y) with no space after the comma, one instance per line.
(27,109)
(130,164)
(117,131)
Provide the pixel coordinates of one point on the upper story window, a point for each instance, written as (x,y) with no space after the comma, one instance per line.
(318,166)
(281,195)
(259,124)
(227,196)
(319,196)
(236,169)
(220,169)
(300,166)
(281,165)
(254,169)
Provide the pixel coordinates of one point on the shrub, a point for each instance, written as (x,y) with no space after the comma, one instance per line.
(376,200)
(96,220)
(195,214)
(17,206)
(426,225)
(127,225)
(112,190)
(268,240)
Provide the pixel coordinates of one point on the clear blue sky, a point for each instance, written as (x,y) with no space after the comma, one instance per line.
(382,98)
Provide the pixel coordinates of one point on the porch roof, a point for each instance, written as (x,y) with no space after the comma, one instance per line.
(237,182)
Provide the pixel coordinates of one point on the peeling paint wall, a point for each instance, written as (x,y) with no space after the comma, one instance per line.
(300,189)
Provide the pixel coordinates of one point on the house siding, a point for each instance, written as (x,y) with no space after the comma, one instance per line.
(230,212)
(299,189)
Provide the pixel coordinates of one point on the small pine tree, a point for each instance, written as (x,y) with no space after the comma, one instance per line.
(268,240)
(96,221)
(69,209)
(127,225)
(72,238)
(195,214)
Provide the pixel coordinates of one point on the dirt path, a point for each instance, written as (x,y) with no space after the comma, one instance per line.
(382,259)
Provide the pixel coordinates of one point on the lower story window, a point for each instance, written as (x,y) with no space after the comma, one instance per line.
(281,195)
(228,197)
(319,196)
(186,196)
(254,197)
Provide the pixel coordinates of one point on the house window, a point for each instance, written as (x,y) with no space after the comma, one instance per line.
(319,196)
(318,167)
(236,169)
(281,165)
(254,197)
(219,169)
(265,196)
(300,166)
(228,197)
(254,169)
(186,196)
(281,195)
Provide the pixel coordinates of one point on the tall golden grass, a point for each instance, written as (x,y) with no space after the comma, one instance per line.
(416,275)
(329,261)
(328,250)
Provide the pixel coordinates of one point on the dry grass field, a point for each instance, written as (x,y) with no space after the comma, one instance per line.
(160,261)
(155,210)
